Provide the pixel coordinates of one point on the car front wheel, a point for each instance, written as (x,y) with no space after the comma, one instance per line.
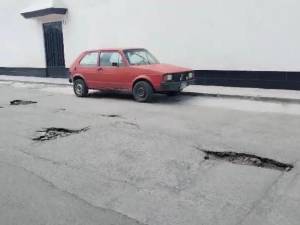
(80,88)
(142,91)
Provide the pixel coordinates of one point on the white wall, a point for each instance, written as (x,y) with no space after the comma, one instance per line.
(21,41)
(214,34)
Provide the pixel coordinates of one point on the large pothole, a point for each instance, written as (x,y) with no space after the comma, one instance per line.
(51,133)
(22,102)
(247,159)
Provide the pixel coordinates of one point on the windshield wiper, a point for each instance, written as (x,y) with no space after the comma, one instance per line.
(144,59)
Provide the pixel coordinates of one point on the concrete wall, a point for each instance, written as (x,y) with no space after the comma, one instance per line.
(216,34)
(21,41)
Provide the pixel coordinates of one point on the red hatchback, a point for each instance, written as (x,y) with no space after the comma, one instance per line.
(131,70)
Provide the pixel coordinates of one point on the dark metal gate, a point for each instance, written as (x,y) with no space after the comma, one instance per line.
(54,47)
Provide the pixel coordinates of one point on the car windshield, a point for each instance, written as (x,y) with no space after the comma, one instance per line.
(140,57)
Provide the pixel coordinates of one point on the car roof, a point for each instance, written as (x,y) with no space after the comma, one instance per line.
(112,49)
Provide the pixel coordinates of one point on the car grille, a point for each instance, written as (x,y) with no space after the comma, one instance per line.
(180,77)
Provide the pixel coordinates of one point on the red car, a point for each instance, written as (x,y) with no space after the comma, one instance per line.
(132,70)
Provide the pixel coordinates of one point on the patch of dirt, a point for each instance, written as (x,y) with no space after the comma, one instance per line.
(51,133)
(124,124)
(132,124)
(22,102)
(60,110)
(247,159)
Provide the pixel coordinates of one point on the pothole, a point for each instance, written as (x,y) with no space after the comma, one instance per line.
(22,102)
(51,133)
(111,115)
(247,159)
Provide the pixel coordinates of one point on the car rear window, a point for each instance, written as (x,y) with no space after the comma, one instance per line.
(91,59)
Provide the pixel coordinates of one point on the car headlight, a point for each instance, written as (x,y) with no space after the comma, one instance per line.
(191,75)
(168,77)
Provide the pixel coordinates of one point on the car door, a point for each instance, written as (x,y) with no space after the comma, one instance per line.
(89,68)
(113,70)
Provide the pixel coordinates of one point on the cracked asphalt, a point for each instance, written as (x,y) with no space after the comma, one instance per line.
(140,163)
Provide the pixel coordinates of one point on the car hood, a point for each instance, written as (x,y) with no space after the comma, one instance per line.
(162,68)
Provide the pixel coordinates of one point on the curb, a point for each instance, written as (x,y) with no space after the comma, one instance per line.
(37,82)
(244,97)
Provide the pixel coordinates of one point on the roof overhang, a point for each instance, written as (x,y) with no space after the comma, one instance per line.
(45,9)
(44,12)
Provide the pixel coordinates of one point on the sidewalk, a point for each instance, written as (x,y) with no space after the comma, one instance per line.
(39,80)
(201,90)
(261,94)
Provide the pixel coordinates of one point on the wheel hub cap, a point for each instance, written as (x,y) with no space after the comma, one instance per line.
(78,89)
(141,92)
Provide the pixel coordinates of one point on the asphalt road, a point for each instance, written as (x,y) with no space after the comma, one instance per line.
(141,164)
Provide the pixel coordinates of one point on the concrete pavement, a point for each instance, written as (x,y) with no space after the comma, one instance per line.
(142,165)
(27,199)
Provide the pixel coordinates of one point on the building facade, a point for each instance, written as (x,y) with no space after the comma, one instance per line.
(233,42)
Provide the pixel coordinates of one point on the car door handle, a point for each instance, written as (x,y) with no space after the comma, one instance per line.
(100,69)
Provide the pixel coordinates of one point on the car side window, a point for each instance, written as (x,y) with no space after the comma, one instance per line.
(91,59)
(111,59)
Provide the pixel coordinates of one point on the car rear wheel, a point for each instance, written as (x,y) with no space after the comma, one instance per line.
(142,91)
(80,88)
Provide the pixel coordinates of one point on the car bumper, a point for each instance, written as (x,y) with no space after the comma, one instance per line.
(175,86)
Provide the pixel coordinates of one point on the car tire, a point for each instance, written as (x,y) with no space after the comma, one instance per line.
(142,91)
(80,88)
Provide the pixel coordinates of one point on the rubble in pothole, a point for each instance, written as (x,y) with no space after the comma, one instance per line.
(22,102)
(51,133)
(247,159)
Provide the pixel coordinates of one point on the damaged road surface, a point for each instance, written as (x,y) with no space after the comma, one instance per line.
(139,163)
(247,159)
(48,134)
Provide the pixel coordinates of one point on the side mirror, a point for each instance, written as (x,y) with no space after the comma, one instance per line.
(115,64)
